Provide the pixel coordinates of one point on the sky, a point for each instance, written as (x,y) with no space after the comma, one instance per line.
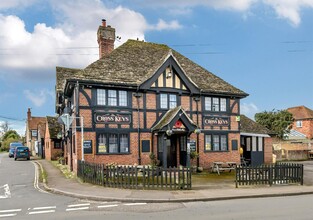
(263,47)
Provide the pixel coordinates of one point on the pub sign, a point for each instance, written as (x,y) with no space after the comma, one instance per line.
(112,118)
(215,121)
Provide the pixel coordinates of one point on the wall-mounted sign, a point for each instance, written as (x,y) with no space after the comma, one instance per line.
(88,147)
(192,145)
(112,118)
(215,121)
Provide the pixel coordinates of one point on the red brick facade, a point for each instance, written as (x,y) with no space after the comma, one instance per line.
(303,120)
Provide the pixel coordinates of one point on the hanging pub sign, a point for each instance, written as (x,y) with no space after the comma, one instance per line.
(88,147)
(112,118)
(215,121)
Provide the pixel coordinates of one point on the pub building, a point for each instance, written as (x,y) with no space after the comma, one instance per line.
(144,98)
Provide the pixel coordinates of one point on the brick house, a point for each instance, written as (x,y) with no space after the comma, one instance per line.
(143,98)
(35,134)
(53,141)
(256,142)
(303,120)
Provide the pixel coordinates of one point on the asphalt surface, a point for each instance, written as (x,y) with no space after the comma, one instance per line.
(57,183)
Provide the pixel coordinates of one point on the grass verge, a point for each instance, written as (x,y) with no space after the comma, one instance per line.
(64,169)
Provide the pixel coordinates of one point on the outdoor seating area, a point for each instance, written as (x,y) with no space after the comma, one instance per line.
(223,166)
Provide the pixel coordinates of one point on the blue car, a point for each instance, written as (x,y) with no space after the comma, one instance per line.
(21,152)
(13,145)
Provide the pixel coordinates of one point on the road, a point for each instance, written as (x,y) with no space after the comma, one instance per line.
(20,199)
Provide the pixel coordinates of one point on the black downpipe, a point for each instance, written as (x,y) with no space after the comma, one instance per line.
(137,95)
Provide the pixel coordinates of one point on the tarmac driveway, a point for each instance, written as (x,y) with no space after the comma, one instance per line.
(308,172)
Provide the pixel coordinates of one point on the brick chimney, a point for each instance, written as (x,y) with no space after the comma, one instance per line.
(29,114)
(106,38)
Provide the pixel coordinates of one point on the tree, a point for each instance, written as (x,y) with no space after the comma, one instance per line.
(278,121)
(8,137)
(5,126)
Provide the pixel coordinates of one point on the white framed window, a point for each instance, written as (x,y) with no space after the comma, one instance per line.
(168,101)
(124,143)
(112,98)
(260,144)
(208,142)
(101,100)
(122,98)
(299,124)
(215,104)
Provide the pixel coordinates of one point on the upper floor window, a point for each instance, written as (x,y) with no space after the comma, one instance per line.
(168,101)
(215,104)
(111,97)
(299,124)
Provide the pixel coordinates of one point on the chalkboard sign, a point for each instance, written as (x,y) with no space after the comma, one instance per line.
(88,147)
(145,146)
(234,144)
(192,144)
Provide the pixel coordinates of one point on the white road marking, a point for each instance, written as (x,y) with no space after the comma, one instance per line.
(77,205)
(7,193)
(36,184)
(76,209)
(106,206)
(41,208)
(41,212)
(132,204)
(7,215)
(10,210)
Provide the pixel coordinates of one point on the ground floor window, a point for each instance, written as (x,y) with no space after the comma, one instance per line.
(215,142)
(109,143)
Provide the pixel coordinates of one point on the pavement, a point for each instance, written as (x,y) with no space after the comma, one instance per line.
(57,183)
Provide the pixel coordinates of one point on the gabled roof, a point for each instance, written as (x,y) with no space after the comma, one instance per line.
(53,126)
(247,125)
(301,112)
(135,62)
(35,123)
(62,74)
(171,116)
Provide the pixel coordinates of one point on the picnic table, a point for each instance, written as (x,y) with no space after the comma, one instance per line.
(223,166)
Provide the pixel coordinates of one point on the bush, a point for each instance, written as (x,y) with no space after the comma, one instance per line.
(6,143)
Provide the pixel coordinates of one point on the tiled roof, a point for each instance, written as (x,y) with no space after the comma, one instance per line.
(62,74)
(134,62)
(247,125)
(53,126)
(301,112)
(37,122)
(169,116)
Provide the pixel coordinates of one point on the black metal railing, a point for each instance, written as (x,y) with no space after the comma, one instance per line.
(135,177)
(283,173)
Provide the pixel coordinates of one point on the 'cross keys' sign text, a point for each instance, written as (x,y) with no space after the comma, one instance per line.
(215,121)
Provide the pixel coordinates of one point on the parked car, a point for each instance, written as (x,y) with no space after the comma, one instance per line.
(21,152)
(13,145)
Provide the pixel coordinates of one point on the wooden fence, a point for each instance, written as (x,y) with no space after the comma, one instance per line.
(135,177)
(282,173)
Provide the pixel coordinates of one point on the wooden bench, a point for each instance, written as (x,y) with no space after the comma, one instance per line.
(221,166)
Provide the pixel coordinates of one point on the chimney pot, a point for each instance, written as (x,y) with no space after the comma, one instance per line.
(104,23)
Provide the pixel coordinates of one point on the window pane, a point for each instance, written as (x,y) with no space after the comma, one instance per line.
(223,143)
(260,144)
(124,143)
(253,143)
(122,98)
(223,105)
(173,101)
(216,142)
(113,143)
(163,100)
(207,103)
(101,96)
(299,124)
(208,145)
(112,101)
(215,106)
(102,143)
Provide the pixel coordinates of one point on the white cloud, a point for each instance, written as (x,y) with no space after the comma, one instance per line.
(249,109)
(163,25)
(38,98)
(289,9)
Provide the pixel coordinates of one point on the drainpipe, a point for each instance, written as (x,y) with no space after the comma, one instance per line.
(197,99)
(138,95)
